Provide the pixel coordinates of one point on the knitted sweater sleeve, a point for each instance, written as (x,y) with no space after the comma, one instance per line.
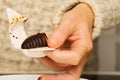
(107,13)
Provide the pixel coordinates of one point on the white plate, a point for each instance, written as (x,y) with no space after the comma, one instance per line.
(23,77)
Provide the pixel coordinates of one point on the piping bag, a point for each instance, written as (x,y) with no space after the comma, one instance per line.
(18,35)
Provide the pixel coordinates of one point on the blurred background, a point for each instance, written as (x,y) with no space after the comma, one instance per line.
(105,55)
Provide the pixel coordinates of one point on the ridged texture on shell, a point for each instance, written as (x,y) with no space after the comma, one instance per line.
(35,41)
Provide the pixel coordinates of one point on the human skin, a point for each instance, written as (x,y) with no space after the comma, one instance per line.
(73,42)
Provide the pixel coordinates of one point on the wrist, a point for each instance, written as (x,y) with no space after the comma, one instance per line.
(86,13)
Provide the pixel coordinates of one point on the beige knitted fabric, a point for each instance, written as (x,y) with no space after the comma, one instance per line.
(107,13)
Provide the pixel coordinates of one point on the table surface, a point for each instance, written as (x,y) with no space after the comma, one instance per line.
(24,77)
(86,75)
(102,75)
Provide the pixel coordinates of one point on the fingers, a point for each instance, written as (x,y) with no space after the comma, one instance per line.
(80,46)
(72,56)
(52,65)
(73,73)
(57,77)
(59,36)
(64,57)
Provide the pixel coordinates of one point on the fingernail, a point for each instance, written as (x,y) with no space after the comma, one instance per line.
(39,78)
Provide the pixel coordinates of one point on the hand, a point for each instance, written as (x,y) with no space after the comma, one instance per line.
(73,42)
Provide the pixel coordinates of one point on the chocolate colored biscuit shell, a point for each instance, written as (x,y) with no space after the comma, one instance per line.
(35,41)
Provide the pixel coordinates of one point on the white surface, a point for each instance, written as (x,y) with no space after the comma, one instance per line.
(41,49)
(23,77)
(36,52)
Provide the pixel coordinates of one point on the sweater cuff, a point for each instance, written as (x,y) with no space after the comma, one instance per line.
(69,4)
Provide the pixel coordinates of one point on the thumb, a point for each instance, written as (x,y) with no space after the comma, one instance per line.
(59,36)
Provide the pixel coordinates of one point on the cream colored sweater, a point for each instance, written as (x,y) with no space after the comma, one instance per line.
(107,13)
